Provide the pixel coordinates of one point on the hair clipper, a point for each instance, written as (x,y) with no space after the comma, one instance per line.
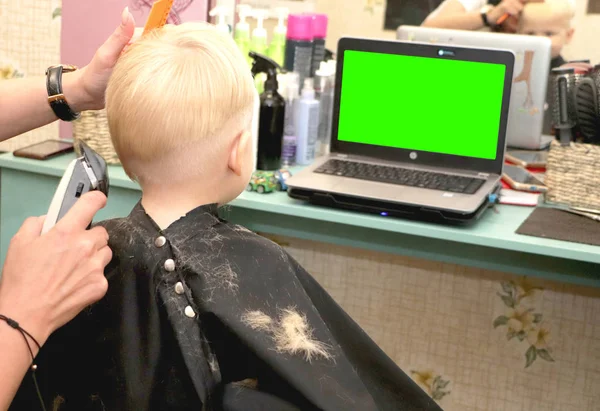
(86,173)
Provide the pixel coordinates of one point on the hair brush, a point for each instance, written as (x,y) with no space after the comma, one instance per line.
(586,107)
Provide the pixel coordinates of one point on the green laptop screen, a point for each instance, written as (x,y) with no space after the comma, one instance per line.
(421,103)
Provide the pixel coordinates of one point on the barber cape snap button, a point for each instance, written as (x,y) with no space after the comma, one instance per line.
(189,311)
(170,265)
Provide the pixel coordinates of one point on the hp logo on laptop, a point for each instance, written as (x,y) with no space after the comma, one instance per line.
(443,53)
(413,155)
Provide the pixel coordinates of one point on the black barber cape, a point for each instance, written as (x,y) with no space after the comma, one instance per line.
(206,315)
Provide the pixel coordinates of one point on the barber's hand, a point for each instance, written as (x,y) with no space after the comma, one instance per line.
(94,77)
(511,7)
(48,279)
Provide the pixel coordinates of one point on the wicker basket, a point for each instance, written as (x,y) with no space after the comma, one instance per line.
(573,175)
(92,129)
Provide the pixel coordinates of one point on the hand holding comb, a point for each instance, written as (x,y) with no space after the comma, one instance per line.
(505,16)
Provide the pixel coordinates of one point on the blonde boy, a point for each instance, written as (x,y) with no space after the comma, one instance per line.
(179,106)
(202,314)
(551,18)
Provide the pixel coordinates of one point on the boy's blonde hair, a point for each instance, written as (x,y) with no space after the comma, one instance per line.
(564,8)
(176,98)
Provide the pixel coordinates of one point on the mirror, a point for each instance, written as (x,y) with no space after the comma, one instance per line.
(380,18)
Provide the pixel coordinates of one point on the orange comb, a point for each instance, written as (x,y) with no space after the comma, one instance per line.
(158,15)
(502,19)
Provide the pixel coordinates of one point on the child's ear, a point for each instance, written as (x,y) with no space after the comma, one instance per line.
(238,157)
(570,34)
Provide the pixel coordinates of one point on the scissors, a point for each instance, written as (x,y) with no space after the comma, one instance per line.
(584,212)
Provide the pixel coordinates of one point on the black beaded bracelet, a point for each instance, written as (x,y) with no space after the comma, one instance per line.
(12,323)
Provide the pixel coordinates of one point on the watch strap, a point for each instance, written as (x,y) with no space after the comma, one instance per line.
(56,98)
(485,19)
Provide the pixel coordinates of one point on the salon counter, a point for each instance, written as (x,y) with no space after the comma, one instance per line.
(27,187)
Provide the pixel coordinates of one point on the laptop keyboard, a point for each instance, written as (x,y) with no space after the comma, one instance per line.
(401,176)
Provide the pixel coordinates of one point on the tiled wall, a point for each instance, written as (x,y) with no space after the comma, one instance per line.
(29,43)
(474,339)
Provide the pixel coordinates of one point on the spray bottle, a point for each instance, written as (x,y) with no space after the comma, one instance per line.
(299,45)
(272,114)
(242,30)
(277,47)
(307,127)
(221,13)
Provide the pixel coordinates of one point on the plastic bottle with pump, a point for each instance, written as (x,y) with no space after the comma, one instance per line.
(221,13)
(277,47)
(241,34)
(307,126)
(258,43)
(272,114)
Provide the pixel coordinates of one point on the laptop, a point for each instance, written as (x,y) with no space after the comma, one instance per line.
(413,134)
(530,82)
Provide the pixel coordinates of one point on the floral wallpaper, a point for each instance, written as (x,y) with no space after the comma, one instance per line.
(29,43)
(432,383)
(371,5)
(522,322)
(9,69)
(473,339)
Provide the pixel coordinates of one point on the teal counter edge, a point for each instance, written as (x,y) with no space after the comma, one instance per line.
(496,229)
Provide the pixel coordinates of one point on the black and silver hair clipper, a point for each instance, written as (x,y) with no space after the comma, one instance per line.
(86,173)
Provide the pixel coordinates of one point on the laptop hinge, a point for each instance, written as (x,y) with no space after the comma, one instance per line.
(483,175)
(341,155)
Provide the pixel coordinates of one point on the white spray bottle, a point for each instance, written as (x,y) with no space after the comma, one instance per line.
(242,31)
(277,47)
(258,43)
(221,13)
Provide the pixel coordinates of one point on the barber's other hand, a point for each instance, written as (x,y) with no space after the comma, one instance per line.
(512,7)
(93,78)
(48,279)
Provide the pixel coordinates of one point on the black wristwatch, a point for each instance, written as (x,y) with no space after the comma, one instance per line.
(56,98)
(484,11)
